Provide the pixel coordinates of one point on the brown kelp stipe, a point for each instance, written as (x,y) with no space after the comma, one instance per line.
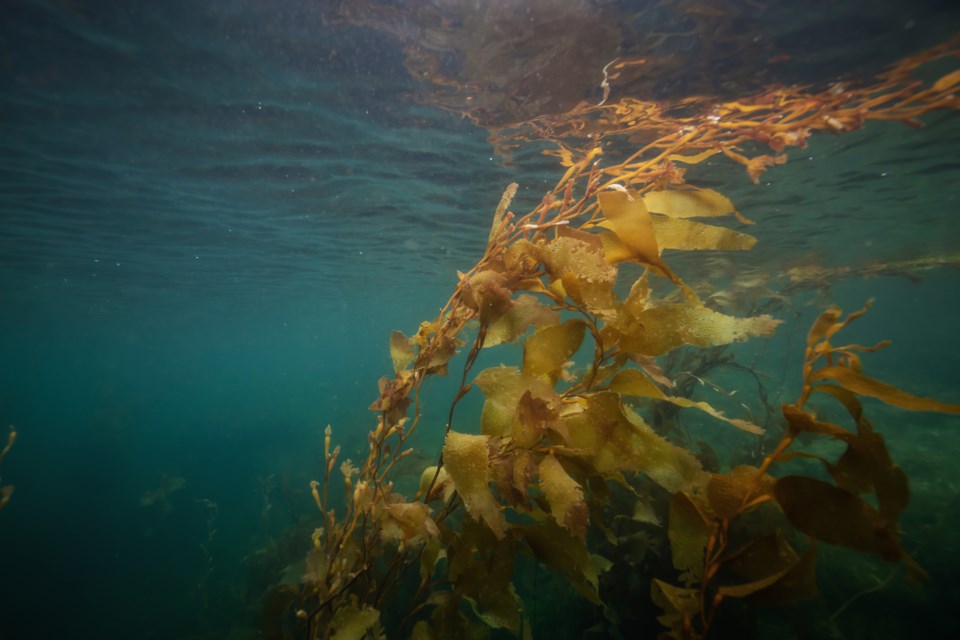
(540,473)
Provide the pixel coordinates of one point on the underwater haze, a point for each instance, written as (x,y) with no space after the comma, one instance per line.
(214,214)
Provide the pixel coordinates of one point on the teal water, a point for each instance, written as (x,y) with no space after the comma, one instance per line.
(211,218)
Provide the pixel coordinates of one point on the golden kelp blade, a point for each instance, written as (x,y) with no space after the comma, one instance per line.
(947,81)
(401,351)
(504,387)
(679,606)
(467,460)
(668,326)
(518,319)
(614,250)
(565,496)
(694,159)
(499,605)
(866,386)
(532,417)
(836,516)
(765,562)
(689,235)
(797,585)
(578,258)
(616,439)
(823,323)
(626,215)
(578,269)
(351,623)
(744,425)
(488,293)
(633,383)
(689,203)
(481,569)
(405,522)
(560,550)
(688,533)
(683,235)
(730,494)
(548,349)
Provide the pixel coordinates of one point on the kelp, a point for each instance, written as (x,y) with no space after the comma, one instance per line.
(351,623)
(564,495)
(832,513)
(693,129)
(551,436)
(6,491)
(160,497)
(559,433)
(467,460)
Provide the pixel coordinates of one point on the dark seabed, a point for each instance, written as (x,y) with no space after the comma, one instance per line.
(213,214)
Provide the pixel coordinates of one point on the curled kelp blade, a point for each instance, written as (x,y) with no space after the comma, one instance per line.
(632,382)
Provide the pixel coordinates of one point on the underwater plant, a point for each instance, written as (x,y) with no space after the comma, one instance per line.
(6,491)
(159,498)
(566,432)
(762,565)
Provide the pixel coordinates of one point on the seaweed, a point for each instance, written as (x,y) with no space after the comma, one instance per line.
(6,491)
(767,568)
(568,429)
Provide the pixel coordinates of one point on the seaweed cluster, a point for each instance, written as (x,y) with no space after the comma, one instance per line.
(574,437)
(778,117)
